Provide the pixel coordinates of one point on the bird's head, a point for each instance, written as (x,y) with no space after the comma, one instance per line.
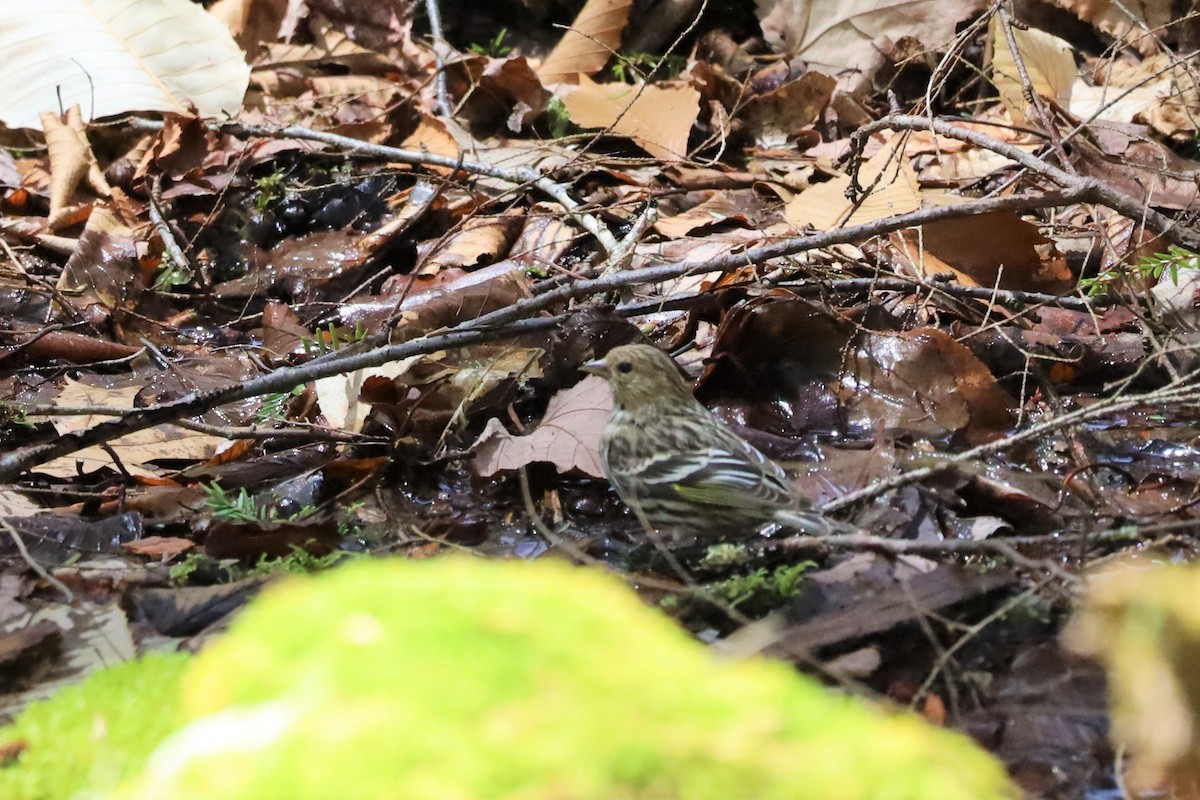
(640,376)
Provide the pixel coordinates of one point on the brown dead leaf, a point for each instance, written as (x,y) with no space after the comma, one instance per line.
(339,394)
(357,98)
(773,118)
(160,548)
(283,334)
(545,238)
(183,145)
(718,208)
(104,267)
(429,303)
(772,366)
(431,135)
(657,117)
(330,51)
(72,348)
(480,239)
(251,542)
(1017,257)
(28,653)
(589,43)
(252,22)
(500,90)
(567,437)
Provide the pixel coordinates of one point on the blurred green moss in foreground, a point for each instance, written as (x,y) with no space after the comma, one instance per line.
(459,678)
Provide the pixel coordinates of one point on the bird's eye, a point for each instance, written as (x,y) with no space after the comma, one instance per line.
(625,366)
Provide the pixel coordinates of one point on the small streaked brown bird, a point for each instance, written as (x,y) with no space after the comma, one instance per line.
(679,469)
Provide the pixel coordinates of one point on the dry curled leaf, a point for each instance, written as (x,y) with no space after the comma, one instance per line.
(567,437)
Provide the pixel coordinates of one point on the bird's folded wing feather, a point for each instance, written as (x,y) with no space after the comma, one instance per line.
(719,478)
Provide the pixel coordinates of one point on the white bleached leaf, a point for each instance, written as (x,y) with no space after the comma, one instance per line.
(115,56)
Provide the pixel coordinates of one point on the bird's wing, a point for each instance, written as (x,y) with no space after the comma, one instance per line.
(721,478)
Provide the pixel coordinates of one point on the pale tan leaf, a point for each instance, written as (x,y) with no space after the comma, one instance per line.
(658,118)
(338,394)
(370,91)
(95,635)
(1049,63)
(589,43)
(1155,91)
(15,504)
(114,56)
(849,38)
(70,159)
(134,450)
(1160,91)
(892,189)
(1131,20)
(567,437)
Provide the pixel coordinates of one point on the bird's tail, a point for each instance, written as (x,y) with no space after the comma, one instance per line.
(813,523)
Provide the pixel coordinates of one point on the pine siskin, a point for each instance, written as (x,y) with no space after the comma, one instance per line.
(677,466)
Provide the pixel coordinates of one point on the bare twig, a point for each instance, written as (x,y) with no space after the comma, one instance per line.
(178,258)
(1090,190)
(439,46)
(1029,94)
(1177,393)
(1005,547)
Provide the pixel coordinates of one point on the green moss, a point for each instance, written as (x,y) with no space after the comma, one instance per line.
(93,735)
(466,679)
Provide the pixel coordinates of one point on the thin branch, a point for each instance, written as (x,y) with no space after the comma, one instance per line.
(1090,190)
(178,257)
(1177,393)
(439,47)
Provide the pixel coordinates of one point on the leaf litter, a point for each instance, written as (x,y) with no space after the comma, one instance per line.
(348,318)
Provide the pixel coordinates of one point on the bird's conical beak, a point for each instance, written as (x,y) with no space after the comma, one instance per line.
(595,367)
